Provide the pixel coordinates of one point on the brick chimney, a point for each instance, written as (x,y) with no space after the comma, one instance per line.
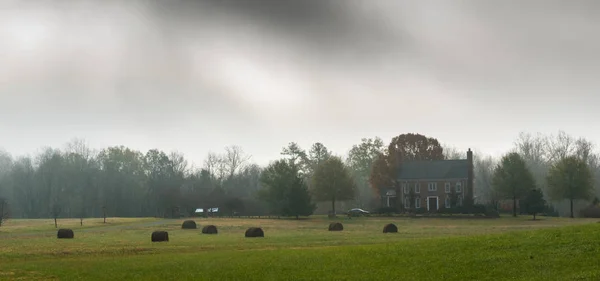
(470,173)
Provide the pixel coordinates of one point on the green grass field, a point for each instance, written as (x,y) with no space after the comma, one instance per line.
(424,249)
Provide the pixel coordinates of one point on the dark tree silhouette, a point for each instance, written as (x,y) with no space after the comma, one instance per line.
(534,202)
(4,210)
(285,191)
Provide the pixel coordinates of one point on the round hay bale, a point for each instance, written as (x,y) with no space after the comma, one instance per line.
(64,233)
(336,226)
(189,224)
(255,232)
(209,229)
(390,228)
(160,236)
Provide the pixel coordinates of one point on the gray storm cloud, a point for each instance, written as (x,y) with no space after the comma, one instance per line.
(298,67)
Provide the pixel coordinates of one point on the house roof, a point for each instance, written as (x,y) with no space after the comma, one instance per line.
(434,169)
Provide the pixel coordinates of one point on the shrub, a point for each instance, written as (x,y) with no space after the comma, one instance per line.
(478,209)
(209,229)
(454,210)
(491,213)
(255,232)
(549,211)
(189,224)
(336,226)
(390,228)
(590,212)
(160,236)
(420,211)
(387,210)
(65,234)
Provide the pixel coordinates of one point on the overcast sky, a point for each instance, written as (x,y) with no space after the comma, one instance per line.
(196,76)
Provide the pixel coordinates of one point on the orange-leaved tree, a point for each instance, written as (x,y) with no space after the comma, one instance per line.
(405,147)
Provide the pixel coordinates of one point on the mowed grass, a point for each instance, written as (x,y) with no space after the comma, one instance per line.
(424,249)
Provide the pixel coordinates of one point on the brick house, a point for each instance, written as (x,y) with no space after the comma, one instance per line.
(432,182)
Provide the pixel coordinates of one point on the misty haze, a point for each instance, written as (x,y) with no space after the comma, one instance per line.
(299,140)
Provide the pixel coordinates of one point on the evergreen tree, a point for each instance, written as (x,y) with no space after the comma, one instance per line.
(534,202)
(299,201)
(285,191)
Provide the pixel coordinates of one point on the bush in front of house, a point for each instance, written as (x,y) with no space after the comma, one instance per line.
(549,211)
(160,236)
(478,209)
(189,224)
(64,233)
(492,213)
(387,210)
(336,226)
(592,211)
(475,209)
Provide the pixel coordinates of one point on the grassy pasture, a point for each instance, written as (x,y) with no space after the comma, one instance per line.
(424,249)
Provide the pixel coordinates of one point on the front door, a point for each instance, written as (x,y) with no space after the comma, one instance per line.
(432,204)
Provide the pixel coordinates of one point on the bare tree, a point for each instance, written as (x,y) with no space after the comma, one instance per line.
(533,148)
(220,170)
(6,166)
(484,171)
(6,161)
(55,211)
(542,152)
(180,164)
(4,210)
(80,147)
(584,149)
(560,147)
(211,162)
(82,215)
(452,153)
(535,151)
(234,159)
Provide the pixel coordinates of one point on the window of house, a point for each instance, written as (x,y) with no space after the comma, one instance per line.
(405,188)
(447,187)
(406,202)
(417,188)
(432,186)
(458,187)
(459,201)
(447,202)
(417,202)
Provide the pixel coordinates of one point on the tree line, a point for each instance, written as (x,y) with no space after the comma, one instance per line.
(560,169)
(76,181)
